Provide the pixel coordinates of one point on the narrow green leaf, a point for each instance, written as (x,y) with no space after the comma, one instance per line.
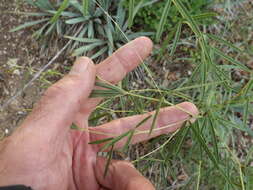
(63,6)
(80,35)
(74,126)
(86,7)
(229,67)
(131,13)
(77,20)
(42,4)
(115,140)
(138,34)
(59,27)
(209,153)
(98,116)
(129,133)
(199,175)
(39,14)
(111,87)
(234,125)
(76,5)
(204,146)
(203,16)
(103,94)
(90,29)
(70,14)
(28,24)
(84,40)
(141,5)
(138,7)
(130,136)
(101,141)
(165,43)
(191,22)
(50,29)
(143,121)
(86,48)
(214,139)
(249,156)
(235,62)
(180,139)
(163,20)
(108,161)
(99,53)
(64,13)
(218,39)
(178,33)
(120,17)
(247,88)
(156,115)
(110,39)
(246,112)
(39,32)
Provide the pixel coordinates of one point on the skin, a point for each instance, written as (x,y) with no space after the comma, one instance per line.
(45,154)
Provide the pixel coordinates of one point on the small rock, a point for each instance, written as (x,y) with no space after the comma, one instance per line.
(12,63)
(20,112)
(16,72)
(6,131)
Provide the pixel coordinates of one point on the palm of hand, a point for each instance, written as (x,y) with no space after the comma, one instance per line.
(44,154)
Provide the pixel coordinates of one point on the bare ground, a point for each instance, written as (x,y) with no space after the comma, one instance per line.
(20,58)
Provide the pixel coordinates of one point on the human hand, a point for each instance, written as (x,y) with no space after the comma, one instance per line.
(45,154)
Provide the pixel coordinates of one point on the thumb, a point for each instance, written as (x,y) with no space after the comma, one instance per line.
(56,110)
(121,175)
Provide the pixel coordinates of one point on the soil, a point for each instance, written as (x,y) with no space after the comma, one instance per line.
(19,58)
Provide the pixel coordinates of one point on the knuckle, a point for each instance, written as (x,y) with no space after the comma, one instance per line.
(63,87)
(126,64)
(135,182)
(54,91)
(84,59)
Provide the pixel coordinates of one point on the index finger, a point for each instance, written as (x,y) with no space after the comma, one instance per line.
(114,68)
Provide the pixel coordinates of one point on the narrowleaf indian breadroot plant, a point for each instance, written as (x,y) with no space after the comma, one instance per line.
(219,98)
(205,152)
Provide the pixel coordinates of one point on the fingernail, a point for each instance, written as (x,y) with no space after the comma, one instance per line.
(81,65)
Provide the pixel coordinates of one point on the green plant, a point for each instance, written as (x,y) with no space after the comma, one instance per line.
(206,153)
(50,16)
(84,22)
(220,99)
(149,17)
(108,37)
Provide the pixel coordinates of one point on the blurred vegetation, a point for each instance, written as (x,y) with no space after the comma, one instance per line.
(148,18)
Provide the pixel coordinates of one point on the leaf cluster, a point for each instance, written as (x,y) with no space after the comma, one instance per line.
(149,17)
(87,23)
